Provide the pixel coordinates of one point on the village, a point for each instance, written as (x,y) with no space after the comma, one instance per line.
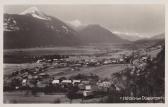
(80,86)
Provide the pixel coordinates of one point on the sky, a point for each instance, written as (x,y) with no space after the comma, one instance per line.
(130,19)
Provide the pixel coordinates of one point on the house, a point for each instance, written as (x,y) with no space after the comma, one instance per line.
(24,82)
(55,59)
(55,82)
(104,84)
(24,75)
(81,86)
(16,87)
(87,93)
(88,87)
(144,58)
(107,62)
(39,61)
(66,81)
(120,86)
(76,81)
(85,82)
(114,61)
(30,76)
(121,60)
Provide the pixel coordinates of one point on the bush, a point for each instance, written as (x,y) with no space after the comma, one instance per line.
(57,100)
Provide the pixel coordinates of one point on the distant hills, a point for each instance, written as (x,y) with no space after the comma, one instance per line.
(159,36)
(150,42)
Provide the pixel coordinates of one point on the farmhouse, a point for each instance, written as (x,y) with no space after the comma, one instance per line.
(87,93)
(104,84)
(66,81)
(88,87)
(24,82)
(85,82)
(76,81)
(55,82)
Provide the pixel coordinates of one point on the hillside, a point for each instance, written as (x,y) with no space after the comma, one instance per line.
(98,34)
(159,36)
(35,29)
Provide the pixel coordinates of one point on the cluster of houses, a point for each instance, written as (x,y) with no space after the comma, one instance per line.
(140,61)
(44,82)
(37,77)
(83,61)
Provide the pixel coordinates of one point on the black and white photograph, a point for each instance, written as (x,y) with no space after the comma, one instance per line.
(83,53)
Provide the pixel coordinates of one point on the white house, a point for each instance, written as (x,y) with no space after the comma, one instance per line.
(24,81)
(104,84)
(88,87)
(66,81)
(55,82)
(76,81)
(87,93)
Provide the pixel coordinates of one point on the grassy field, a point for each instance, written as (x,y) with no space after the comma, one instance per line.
(20,97)
(103,71)
(9,68)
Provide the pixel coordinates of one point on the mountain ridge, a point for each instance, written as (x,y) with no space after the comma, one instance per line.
(95,33)
(22,31)
(33,28)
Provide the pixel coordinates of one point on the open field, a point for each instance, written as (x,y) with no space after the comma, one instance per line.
(9,68)
(104,71)
(20,97)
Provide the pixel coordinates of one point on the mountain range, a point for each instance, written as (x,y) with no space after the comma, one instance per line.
(33,28)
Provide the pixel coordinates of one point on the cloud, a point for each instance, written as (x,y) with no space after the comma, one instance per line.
(75,23)
(131,36)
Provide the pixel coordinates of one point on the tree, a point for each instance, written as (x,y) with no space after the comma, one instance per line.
(71,94)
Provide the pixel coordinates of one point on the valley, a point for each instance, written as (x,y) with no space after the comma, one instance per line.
(50,59)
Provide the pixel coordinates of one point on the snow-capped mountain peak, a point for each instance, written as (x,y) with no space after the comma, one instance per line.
(31,10)
(75,23)
(35,12)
